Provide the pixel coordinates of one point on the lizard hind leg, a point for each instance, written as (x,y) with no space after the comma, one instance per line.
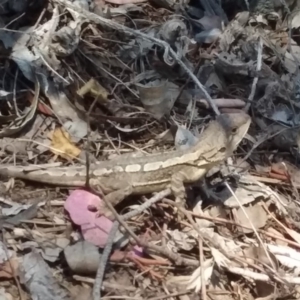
(178,188)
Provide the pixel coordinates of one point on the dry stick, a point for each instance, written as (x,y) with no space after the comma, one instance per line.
(14,94)
(290,49)
(168,50)
(87,183)
(88,144)
(103,261)
(14,20)
(258,68)
(289,46)
(39,19)
(203,289)
(247,4)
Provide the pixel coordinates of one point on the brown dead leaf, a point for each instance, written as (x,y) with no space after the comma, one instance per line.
(256,254)
(257,215)
(291,60)
(296,20)
(211,22)
(158,97)
(9,268)
(61,144)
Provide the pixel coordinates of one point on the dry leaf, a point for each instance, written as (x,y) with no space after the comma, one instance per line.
(296,20)
(61,144)
(9,268)
(211,22)
(291,61)
(156,97)
(257,215)
(94,88)
(208,36)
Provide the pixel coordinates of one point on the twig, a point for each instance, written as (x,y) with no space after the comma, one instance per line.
(103,262)
(247,4)
(203,286)
(39,19)
(258,68)
(290,49)
(14,20)
(168,50)
(88,143)
(14,94)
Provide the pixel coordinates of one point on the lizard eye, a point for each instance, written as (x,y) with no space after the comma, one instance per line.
(234,130)
(223,149)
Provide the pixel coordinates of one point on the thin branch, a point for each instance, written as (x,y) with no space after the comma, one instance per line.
(258,68)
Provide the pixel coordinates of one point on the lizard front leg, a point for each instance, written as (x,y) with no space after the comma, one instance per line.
(114,193)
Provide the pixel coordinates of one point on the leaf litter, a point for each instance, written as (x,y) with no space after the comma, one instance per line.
(96,79)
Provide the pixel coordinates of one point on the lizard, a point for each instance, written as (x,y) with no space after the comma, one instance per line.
(124,176)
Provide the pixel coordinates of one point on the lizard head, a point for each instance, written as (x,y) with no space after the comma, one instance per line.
(235,127)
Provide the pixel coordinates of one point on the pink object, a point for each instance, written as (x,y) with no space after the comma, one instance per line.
(94,229)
